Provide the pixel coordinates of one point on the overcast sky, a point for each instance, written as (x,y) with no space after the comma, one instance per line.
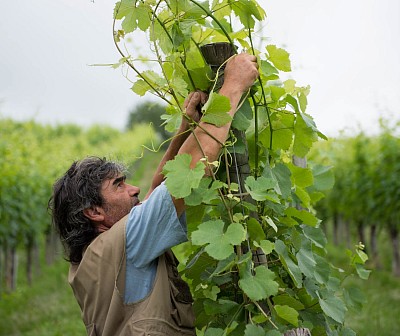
(346,50)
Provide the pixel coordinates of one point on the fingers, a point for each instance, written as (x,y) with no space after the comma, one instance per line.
(241,71)
(203,97)
(252,61)
(194,99)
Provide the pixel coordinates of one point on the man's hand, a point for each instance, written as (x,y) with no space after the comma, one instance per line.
(240,73)
(192,106)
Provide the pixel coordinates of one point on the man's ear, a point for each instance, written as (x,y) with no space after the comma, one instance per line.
(95,214)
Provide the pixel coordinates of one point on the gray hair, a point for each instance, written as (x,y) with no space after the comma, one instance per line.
(78,189)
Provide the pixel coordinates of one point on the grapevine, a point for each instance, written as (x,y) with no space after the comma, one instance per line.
(268,210)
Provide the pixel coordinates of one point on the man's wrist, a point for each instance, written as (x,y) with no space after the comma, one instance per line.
(182,133)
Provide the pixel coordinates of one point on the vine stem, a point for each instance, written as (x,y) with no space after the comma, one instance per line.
(171,90)
(235,315)
(172,42)
(256,114)
(130,63)
(215,20)
(265,314)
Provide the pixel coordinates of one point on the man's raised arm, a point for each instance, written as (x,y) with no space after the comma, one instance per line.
(191,103)
(240,74)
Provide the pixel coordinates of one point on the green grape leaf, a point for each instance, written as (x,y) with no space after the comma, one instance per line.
(254,330)
(273,333)
(305,217)
(302,177)
(154,78)
(362,256)
(223,265)
(304,135)
(268,173)
(289,85)
(150,78)
(282,174)
(176,35)
(215,111)
(316,235)
(258,189)
(306,261)
(270,222)
(179,86)
(333,307)
(292,102)
(322,269)
(288,314)
(133,16)
(243,117)
(346,331)
(180,178)
(143,16)
(279,57)
(221,306)
(362,272)
(219,243)
(333,284)
(287,300)
(123,8)
(266,245)
(214,332)
(324,179)
(200,77)
(354,297)
(246,10)
(172,119)
(291,267)
(221,9)
(276,92)
(282,136)
(211,293)
(204,193)
(268,71)
(303,196)
(302,101)
(157,33)
(140,87)
(261,285)
(255,230)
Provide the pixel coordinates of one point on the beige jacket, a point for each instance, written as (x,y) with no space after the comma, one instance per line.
(98,282)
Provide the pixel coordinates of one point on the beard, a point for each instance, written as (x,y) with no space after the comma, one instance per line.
(114,213)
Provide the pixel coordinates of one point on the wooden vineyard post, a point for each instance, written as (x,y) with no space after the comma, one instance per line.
(215,55)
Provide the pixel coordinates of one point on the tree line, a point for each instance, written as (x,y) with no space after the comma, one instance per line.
(364,201)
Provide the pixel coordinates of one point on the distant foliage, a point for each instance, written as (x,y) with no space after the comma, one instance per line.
(32,156)
(149,113)
(367,189)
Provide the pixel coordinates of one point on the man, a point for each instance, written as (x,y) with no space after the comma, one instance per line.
(122,272)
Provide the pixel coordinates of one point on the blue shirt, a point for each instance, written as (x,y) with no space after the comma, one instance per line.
(152,228)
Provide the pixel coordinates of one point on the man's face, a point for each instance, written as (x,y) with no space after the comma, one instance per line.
(119,198)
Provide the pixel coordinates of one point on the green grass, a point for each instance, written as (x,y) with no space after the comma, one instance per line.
(47,308)
(381,313)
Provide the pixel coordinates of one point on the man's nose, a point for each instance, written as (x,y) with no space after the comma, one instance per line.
(133,190)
